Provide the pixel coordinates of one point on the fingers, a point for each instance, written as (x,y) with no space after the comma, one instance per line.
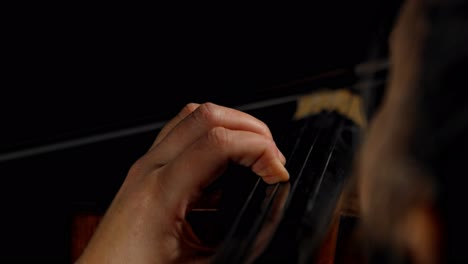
(188,109)
(201,163)
(198,123)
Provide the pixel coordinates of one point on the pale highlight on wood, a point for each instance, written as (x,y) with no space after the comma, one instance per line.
(342,100)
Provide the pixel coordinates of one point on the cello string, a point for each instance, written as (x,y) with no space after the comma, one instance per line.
(305,254)
(306,158)
(243,250)
(330,154)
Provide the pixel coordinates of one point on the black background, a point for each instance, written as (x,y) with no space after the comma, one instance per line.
(76,70)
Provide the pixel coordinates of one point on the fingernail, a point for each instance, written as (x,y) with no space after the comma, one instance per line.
(283,173)
(275,173)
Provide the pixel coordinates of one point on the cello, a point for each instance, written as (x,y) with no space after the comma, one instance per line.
(321,126)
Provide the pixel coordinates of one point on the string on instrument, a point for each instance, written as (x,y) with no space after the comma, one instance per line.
(242,246)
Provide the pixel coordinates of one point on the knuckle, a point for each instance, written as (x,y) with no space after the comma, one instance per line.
(219,137)
(190,107)
(137,168)
(271,148)
(270,145)
(267,142)
(207,113)
(265,128)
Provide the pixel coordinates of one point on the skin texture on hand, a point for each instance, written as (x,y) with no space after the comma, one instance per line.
(146,220)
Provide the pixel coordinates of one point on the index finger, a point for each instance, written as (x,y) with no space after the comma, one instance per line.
(199,122)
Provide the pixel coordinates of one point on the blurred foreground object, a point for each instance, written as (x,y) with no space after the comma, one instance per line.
(411,166)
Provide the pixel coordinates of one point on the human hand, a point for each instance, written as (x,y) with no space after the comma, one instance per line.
(146,220)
